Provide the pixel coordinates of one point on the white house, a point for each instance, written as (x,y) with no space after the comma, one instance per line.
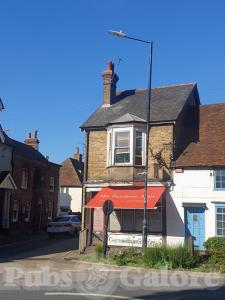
(71,177)
(196,202)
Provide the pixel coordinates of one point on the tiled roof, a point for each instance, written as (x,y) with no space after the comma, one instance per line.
(71,173)
(209,151)
(24,150)
(166,105)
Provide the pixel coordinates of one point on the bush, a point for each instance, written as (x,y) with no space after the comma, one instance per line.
(172,257)
(179,257)
(99,250)
(215,247)
(126,256)
(156,256)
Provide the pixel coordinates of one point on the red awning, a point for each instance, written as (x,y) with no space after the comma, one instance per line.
(127,197)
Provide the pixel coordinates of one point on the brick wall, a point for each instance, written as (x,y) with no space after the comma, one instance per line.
(34,193)
(161,137)
(97,155)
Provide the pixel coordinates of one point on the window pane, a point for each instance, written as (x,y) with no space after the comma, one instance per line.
(219,210)
(128,220)
(223,185)
(138,151)
(138,160)
(219,231)
(219,224)
(218,185)
(122,139)
(219,217)
(138,220)
(155,221)
(122,158)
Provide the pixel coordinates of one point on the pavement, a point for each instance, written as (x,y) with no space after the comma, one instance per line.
(42,269)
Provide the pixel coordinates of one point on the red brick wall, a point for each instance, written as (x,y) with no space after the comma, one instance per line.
(37,193)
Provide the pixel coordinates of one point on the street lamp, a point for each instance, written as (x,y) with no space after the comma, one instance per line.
(123,35)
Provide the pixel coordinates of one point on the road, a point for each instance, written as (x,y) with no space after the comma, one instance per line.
(37,270)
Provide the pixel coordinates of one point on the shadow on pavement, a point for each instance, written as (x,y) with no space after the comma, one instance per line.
(37,247)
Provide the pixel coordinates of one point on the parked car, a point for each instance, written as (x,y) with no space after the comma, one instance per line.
(67,224)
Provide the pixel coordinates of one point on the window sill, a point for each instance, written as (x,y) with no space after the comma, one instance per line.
(126,165)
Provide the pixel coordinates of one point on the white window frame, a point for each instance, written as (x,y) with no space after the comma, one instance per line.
(24,179)
(215,174)
(52,184)
(111,133)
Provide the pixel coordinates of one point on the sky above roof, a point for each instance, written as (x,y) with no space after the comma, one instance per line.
(53,52)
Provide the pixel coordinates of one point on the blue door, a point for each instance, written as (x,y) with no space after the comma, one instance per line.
(195,225)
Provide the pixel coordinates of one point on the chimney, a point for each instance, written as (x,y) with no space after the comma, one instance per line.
(77,155)
(32,140)
(109,84)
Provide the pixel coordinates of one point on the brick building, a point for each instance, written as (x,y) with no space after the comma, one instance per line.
(70,181)
(115,156)
(35,199)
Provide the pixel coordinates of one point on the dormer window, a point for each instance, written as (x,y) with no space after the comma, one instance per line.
(126,146)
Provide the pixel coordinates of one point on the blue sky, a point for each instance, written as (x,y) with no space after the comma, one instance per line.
(52,53)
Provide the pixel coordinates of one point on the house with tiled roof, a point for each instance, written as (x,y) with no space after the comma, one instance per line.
(29,186)
(115,137)
(70,180)
(196,205)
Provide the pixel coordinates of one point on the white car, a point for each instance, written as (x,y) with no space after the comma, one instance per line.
(68,224)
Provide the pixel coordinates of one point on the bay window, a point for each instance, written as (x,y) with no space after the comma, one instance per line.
(126,146)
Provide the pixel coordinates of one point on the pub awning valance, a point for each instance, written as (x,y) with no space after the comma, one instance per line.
(127,197)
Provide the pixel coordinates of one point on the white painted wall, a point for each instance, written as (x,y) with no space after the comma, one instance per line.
(191,186)
(71,197)
(5,158)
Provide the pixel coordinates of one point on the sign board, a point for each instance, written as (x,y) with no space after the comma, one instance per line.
(131,240)
(108,207)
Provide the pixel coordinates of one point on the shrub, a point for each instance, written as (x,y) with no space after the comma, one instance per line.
(126,256)
(156,256)
(172,257)
(179,257)
(99,250)
(215,247)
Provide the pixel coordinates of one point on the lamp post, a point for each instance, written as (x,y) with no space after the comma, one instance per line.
(150,43)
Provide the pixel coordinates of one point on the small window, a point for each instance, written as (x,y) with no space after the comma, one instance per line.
(122,147)
(15,214)
(220,221)
(27,212)
(24,179)
(219,179)
(139,148)
(52,184)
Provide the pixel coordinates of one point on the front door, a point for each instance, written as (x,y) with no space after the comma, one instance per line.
(195,225)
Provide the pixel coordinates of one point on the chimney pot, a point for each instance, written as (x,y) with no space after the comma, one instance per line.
(32,140)
(77,154)
(109,84)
